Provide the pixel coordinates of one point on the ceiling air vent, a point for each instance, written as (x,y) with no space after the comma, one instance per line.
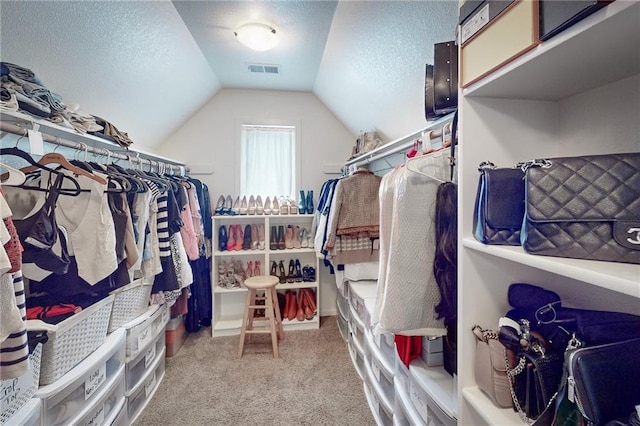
(264,68)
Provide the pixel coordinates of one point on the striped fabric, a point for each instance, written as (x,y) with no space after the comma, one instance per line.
(14,351)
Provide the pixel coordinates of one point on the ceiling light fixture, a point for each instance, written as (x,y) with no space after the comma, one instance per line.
(257,36)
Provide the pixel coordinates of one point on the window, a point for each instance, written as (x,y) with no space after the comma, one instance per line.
(268,160)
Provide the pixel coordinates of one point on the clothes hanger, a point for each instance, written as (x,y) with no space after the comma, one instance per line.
(13,177)
(55,158)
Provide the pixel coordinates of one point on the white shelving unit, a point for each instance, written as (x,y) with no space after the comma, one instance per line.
(228,304)
(576,94)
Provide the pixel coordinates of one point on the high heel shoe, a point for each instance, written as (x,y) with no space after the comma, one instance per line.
(275,207)
(274,269)
(260,236)
(252,205)
(273,241)
(288,237)
(246,240)
(298,271)
(257,270)
(291,275)
(228,204)
(239,238)
(231,237)
(282,277)
(249,271)
(243,206)
(267,206)
(259,206)
(254,236)
(219,206)
(235,210)
(302,237)
(284,206)
(222,238)
(293,207)
(302,203)
(281,241)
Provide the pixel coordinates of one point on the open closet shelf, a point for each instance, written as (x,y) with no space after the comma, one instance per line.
(285,286)
(621,277)
(19,121)
(579,59)
(489,412)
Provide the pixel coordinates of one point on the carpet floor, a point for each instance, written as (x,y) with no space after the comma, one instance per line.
(312,383)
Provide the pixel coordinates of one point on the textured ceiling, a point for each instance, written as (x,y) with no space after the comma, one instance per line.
(147,66)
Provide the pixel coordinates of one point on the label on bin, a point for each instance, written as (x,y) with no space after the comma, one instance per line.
(144,337)
(97,418)
(95,380)
(150,356)
(150,386)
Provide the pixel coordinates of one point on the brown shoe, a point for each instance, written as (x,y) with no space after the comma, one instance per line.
(311,300)
(309,311)
(293,307)
(301,305)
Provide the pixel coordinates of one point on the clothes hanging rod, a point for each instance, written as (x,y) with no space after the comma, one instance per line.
(401,144)
(134,156)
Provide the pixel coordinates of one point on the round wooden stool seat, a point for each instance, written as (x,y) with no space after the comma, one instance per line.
(271,307)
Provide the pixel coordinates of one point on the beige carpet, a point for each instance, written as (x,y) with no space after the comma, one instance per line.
(312,383)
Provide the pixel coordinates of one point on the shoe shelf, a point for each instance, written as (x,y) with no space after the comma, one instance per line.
(228,303)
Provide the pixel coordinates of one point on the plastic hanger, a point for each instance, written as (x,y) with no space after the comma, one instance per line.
(13,177)
(55,158)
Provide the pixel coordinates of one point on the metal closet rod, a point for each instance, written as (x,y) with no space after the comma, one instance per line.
(133,157)
(434,130)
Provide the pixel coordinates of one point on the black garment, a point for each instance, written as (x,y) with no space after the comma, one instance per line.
(199,304)
(39,233)
(116,205)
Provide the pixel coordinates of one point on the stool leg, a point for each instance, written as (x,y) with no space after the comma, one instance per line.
(277,313)
(245,320)
(272,321)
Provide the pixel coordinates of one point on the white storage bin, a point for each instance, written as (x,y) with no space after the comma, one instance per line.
(382,370)
(82,386)
(404,413)
(343,327)
(358,292)
(142,330)
(344,290)
(385,343)
(129,302)
(432,353)
(72,340)
(361,271)
(28,415)
(381,402)
(137,367)
(432,393)
(106,408)
(18,391)
(121,418)
(358,359)
(138,398)
(373,405)
(343,305)
(357,328)
(401,372)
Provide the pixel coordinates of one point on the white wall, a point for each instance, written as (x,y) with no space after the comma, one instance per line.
(208,141)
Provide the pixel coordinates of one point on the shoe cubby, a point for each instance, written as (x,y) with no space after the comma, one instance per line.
(284,240)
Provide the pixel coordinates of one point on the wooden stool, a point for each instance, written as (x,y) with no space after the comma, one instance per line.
(266,283)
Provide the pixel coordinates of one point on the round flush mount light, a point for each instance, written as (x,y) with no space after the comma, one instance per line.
(257,36)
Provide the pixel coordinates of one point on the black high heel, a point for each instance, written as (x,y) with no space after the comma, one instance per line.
(281,244)
(274,269)
(282,277)
(298,276)
(246,242)
(273,239)
(291,277)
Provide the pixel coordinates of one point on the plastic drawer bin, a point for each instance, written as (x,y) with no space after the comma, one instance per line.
(358,292)
(357,329)
(383,371)
(73,339)
(138,398)
(63,400)
(28,415)
(343,305)
(18,392)
(357,358)
(142,330)
(129,302)
(105,410)
(343,327)
(137,367)
(404,413)
(431,392)
(382,404)
(121,418)
(386,344)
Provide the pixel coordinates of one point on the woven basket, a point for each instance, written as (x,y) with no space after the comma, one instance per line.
(17,392)
(129,302)
(74,339)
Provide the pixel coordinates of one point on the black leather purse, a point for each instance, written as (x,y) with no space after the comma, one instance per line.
(499,207)
(584,207)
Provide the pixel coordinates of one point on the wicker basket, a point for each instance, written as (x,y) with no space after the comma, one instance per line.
(74,339)
(17,392)
(129,302)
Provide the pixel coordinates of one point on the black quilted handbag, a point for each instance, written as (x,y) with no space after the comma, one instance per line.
(584,207)
(499,207)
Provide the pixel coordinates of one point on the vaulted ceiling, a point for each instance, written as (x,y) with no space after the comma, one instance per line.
(147,66)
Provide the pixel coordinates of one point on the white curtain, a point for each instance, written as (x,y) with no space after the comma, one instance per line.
(268,161)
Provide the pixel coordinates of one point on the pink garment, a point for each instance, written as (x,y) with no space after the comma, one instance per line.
(188,233)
